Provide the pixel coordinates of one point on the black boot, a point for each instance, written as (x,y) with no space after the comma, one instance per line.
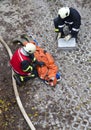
(26,37)
(18,81)
(19,40)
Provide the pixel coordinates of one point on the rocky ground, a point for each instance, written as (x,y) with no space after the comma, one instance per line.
(68,105)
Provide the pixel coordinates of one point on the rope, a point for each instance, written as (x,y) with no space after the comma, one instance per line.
(16,91)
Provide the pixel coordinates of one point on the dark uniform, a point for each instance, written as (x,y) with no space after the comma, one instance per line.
(73,21)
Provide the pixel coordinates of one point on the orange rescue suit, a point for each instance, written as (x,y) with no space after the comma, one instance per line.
(49,70)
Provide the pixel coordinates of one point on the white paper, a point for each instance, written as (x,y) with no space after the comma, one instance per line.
(62,43)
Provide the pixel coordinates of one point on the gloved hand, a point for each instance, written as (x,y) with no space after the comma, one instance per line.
(68,37)
(40,63)
(58,35)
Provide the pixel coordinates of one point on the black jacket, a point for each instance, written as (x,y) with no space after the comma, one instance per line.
(73,21)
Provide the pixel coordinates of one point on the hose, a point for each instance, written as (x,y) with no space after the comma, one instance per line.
(16,90)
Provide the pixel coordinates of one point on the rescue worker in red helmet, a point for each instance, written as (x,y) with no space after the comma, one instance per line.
(71,18)
(24,63)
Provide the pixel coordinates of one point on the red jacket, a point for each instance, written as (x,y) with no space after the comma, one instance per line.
(16,60)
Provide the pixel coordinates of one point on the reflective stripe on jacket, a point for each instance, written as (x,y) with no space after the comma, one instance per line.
(16,60)
(73,20)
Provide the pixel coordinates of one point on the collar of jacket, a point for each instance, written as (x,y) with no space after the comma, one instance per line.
(24,52)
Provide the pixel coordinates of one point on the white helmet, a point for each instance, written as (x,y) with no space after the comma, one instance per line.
(30,48)
(64,12)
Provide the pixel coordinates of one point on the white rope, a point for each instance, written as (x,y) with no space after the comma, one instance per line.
(16,91)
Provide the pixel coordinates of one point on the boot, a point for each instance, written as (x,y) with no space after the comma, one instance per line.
(18,81)
(26,37)
(19,40)
(58,76)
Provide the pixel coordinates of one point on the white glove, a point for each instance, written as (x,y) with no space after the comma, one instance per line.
(68,37)
(58,35)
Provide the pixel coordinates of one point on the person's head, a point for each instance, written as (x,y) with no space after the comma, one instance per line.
(30,48)
(64,12)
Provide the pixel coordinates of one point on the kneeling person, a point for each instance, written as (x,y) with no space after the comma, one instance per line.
(23,63)
(69,17)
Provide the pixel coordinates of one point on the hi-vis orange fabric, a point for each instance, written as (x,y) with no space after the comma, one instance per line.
(49,70)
